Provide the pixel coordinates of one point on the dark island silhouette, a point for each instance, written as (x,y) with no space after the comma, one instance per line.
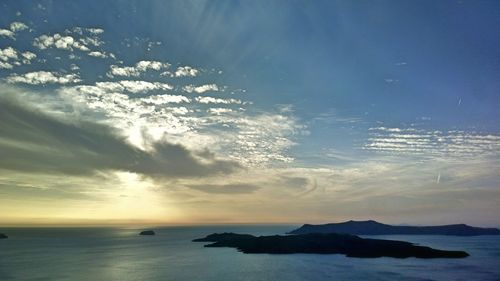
(371,227)
(325,243)
(3,236)
(147,232)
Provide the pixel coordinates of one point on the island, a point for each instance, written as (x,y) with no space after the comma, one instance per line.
(3,236)
(371,227)
(325,243)
(147,232)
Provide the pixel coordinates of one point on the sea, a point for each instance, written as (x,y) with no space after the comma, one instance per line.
(100,254)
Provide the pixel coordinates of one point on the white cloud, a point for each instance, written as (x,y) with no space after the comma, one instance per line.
(142,86)
(150,110)
(18,26)
(10,57)
(70,41)
(201,89)
(43,77)
(208,100)
(219,110)
(132,86)
(186,71)
(6,33)
(65,42)
(140,67)
(5,65)
(432,143)
(81,30)
(58,41)
(164,99)
(144,65)
(252,140)
(123,71)
(98,54)
(8,53)
(28,55)
(95,30)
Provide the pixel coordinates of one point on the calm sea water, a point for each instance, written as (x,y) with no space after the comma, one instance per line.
(121,254)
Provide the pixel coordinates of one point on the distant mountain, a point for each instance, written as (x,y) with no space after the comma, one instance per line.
(375,228)
(325,243)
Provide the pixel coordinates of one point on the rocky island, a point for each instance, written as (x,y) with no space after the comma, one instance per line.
(371,227)
(325,243)
(147,232)
(3,236)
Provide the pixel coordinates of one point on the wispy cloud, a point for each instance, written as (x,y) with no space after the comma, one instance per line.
(453,143)
(208,100)
(201,89)
(237,188)
(43,77)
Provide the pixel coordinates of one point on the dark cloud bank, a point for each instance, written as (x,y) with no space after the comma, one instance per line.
(236,188)
(32,141)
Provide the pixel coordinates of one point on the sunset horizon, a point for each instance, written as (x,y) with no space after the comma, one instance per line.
(129,130)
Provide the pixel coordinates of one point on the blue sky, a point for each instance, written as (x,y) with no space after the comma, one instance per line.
(383,109)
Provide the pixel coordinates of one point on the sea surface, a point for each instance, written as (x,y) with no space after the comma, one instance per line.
(100,254)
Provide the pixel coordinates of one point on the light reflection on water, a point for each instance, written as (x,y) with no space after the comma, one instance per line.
(121,254)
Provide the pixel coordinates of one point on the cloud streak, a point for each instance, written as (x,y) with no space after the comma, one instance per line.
(237,188)
(433,143)
(43,77)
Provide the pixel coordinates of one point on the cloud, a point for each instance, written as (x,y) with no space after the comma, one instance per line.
(295,182)
(95,30)
(250,139)
(10,57)
(141,86)
(186,71)
(6,33)
(81,30)
(219,111)
(131,86)
(13,28)
(123,71)
(18,26)
(201,89)
(34,142)
(5,65)
(134,71)
(43,77)
(207,100)
(237,188)
(144,65)
(8,53)
(98,54)
(82,39)
(28,57)
(60,42)
(163,99)
(432,143)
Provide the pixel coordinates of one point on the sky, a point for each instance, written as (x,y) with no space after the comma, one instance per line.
(214,112)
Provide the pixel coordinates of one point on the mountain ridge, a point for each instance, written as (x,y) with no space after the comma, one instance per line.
(371,227)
